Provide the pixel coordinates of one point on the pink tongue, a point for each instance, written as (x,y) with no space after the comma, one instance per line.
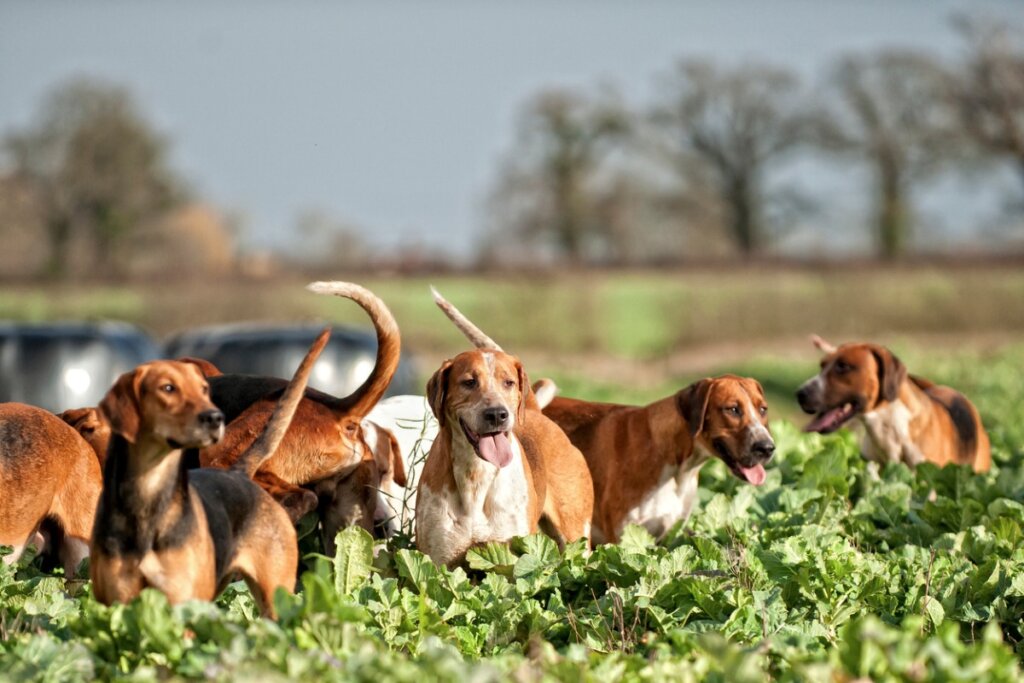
(825,421)
(495,449)
(755,475)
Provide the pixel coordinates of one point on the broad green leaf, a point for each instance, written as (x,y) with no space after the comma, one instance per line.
(353,560)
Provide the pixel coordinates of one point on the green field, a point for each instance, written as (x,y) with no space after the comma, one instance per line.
(822,574)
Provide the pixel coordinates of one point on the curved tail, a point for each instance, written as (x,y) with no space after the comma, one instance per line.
(389,344)
(267,442)
(473,333)
(545,390)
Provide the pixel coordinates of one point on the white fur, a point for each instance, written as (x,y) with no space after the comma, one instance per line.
(414,426)
(487,504)
(672,500)
(887,435)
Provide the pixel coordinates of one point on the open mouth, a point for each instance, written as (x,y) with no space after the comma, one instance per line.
(754,475)
(832,419)
(495,448)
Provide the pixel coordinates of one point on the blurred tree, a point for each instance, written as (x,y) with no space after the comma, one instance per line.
(547,190)
(723,129)
(326,241)
(988,92)
(95,166)
(889,112)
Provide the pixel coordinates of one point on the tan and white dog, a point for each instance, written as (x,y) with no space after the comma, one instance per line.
(646,460)
(906,418)
(498,467)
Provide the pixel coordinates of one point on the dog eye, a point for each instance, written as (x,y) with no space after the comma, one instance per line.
(733,410)
(168,388)
(509,383)
(842,367)
(763,410)
(469,383)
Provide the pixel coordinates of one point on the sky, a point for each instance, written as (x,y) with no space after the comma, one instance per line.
(393,116)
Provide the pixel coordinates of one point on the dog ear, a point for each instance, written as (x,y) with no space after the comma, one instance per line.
(822,345)
(437,390)
(121,408)
(891,373)
(207,368)
(397,462)
(524,389)
(693,404)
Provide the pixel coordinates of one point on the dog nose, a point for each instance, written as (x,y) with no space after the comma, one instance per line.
(763,449)
(801,395)
(211,418)
(496,417)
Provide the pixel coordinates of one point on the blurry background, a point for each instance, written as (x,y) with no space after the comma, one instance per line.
(629,195)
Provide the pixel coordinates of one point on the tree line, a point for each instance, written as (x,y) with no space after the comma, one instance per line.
(592,179)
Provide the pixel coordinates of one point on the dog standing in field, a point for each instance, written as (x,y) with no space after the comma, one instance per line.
(906,418)
(188,532)
(498,468)
(326,440)
(645,461)
(49,479)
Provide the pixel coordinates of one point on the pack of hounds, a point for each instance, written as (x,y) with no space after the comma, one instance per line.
(184,479)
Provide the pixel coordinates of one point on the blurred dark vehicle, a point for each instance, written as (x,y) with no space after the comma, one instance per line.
(58,366)
(276,351)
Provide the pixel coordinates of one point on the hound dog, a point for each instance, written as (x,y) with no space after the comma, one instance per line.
(326,439)
(906,418)
(498,468)
(188,532)
(646,460)
(49,479)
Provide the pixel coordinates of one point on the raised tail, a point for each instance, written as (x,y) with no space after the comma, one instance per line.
(473,333)
(389,345)
(545,390)
(267,442)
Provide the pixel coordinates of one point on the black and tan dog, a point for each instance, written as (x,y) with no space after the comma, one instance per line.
(906,418)
(188,532)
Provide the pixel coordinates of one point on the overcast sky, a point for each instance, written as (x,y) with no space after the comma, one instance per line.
(393,115)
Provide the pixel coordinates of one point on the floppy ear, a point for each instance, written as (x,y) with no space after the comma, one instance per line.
(437,390)
(891,373)
(524,389)
(822,345)
(693,404)
(397,462)
(120,407)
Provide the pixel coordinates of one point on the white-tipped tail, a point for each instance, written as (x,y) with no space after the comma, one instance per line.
(544,390)
(473,333)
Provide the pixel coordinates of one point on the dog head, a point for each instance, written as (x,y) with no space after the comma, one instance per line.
(854,379)
(387,456)
(91,426)
(728,417)
(480,396)
(167,401)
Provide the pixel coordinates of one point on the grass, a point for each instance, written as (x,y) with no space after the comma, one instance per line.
(633,315)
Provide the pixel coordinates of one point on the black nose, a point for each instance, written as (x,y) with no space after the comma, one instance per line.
(496,417)
(763,449)
(801,395)
(211,418)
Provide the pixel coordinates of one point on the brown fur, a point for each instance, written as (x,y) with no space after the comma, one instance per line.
(325,438)
(627,448)
(188,532)
(559,486)
(47,471)
(944,427)
(89,423)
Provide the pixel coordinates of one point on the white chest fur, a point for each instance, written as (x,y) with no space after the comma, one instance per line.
(486,504)
(671,500)
(887,435)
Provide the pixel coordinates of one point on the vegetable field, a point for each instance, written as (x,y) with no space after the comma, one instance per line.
(825,573)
